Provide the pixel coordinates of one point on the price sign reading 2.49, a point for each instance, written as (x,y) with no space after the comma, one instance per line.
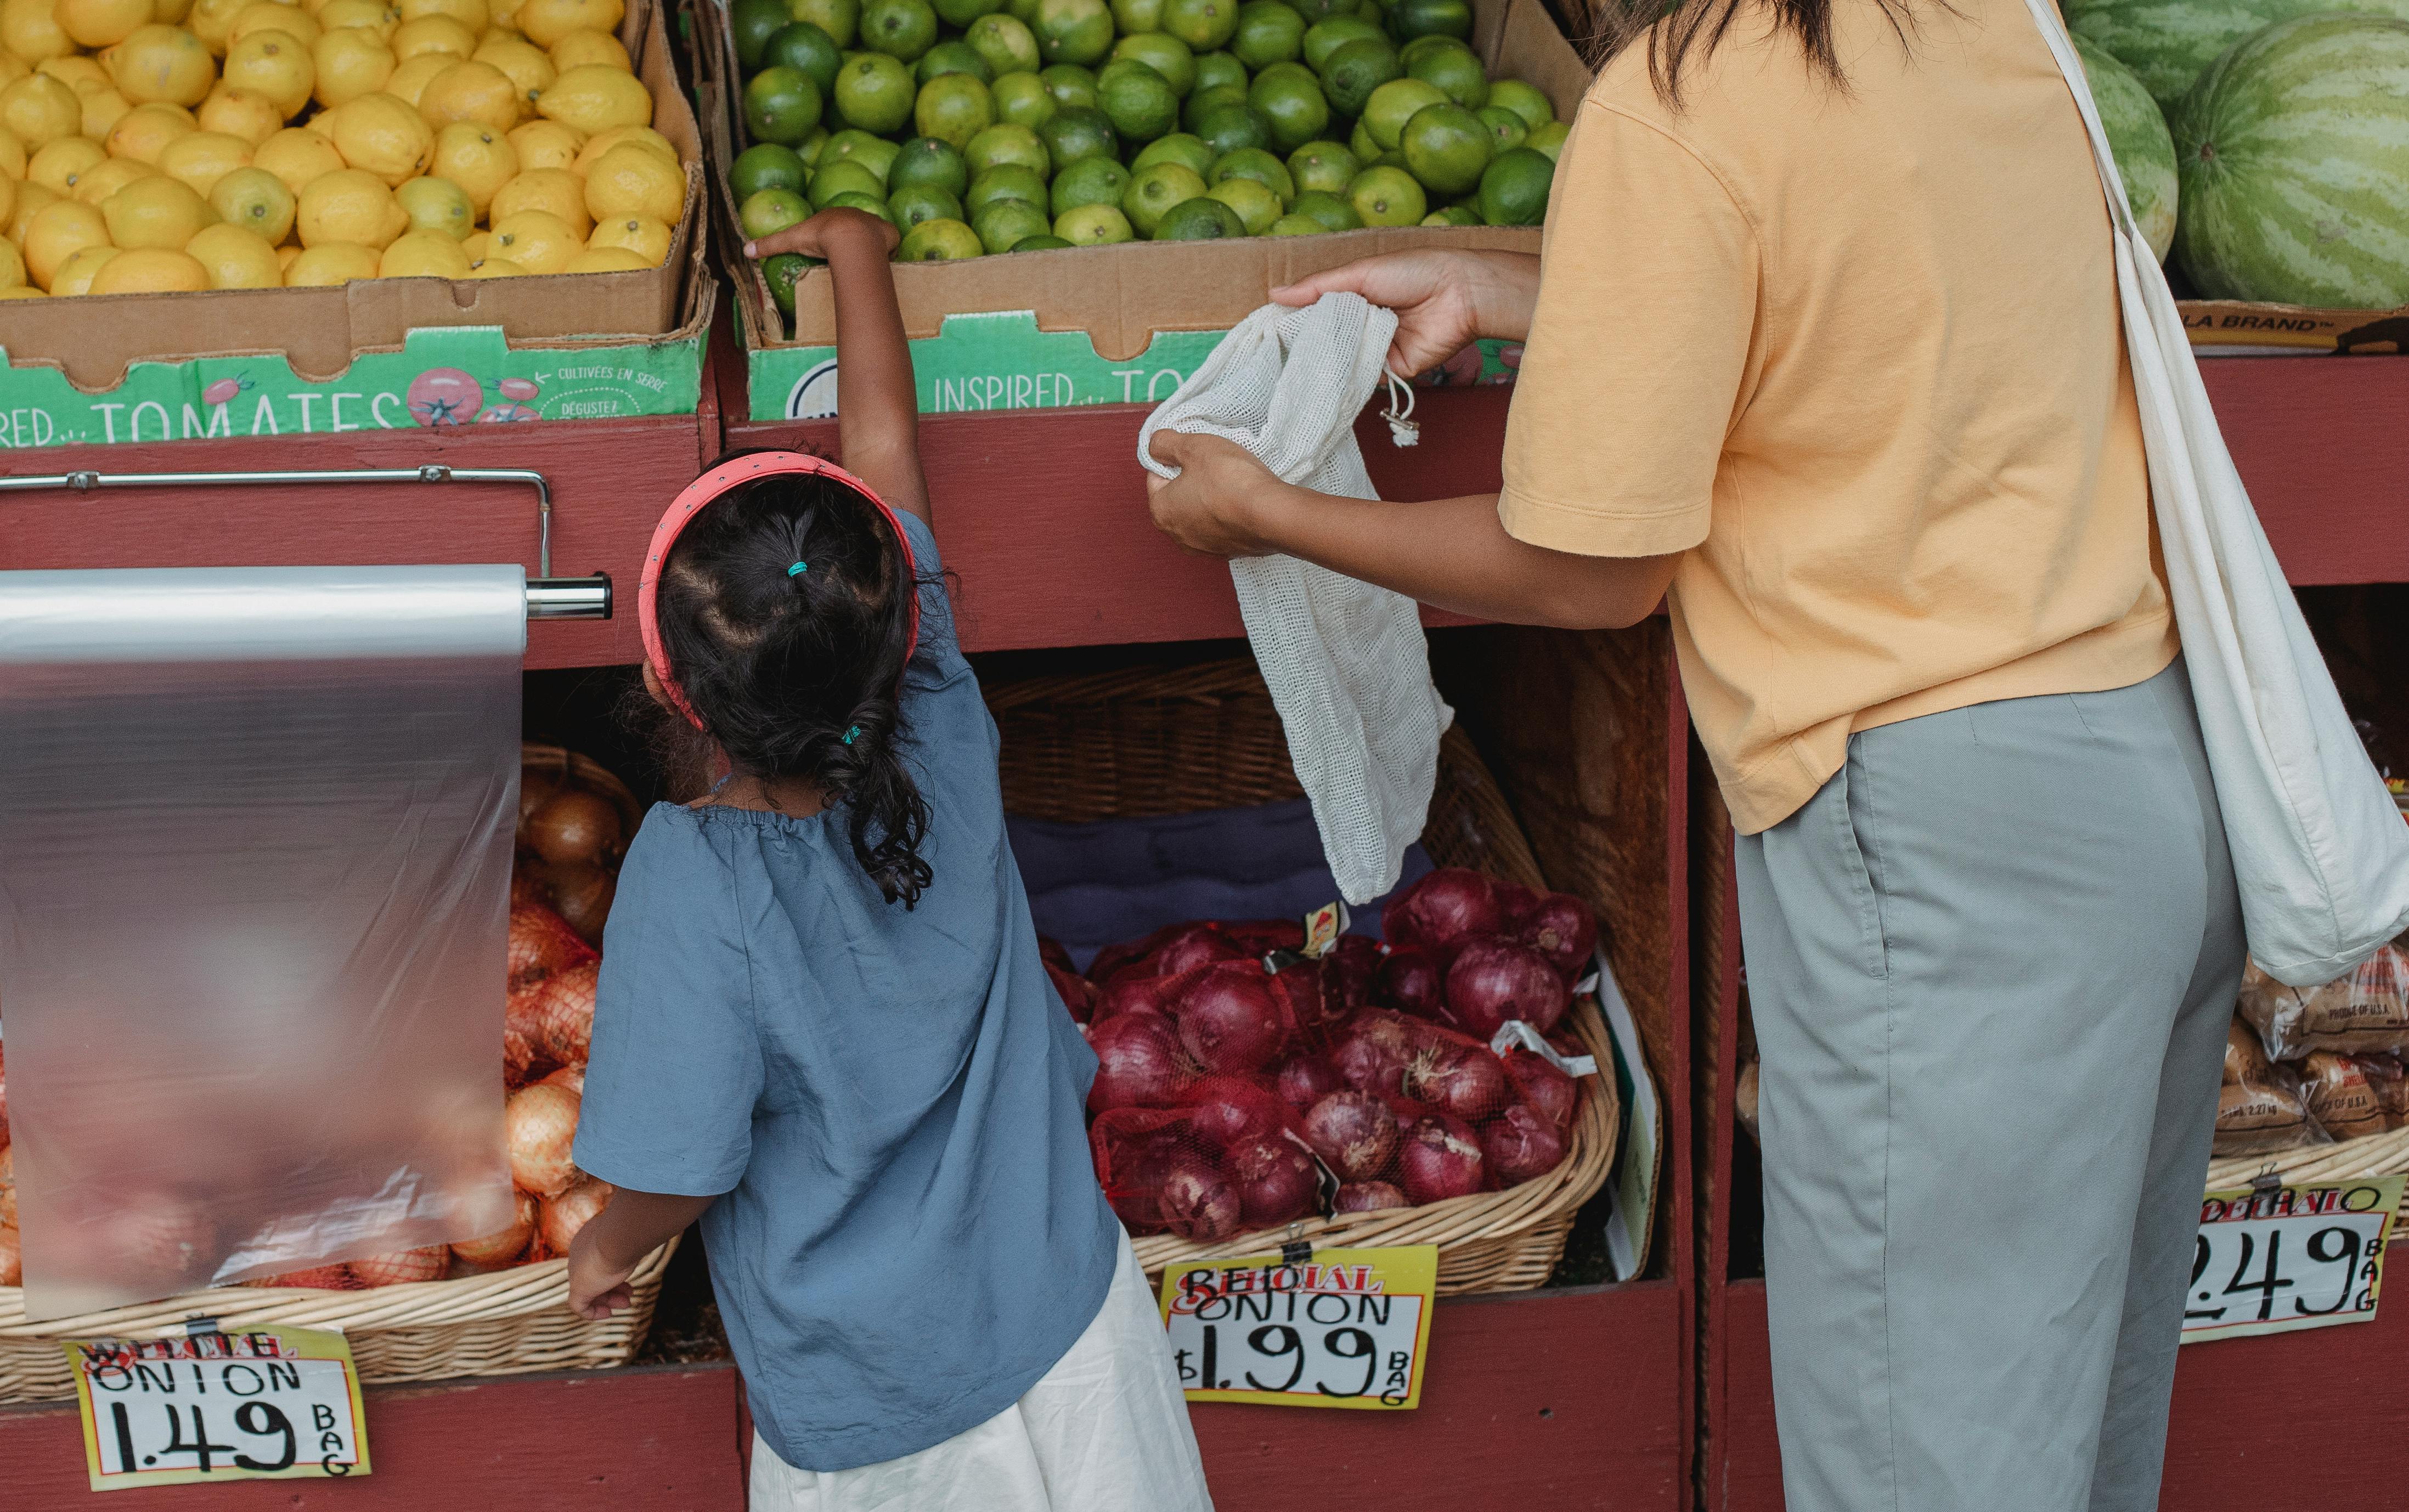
(1329,1327)
(2273,1257)
(274,1405)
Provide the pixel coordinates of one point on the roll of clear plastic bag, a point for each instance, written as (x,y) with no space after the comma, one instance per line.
(256,844)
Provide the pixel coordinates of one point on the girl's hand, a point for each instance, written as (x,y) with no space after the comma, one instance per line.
(827,230)
(597,1288)
(1217,503)
(1444,300)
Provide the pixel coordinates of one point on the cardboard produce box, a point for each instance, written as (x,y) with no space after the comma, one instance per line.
(1087,325)
(377,353)
(2236,327)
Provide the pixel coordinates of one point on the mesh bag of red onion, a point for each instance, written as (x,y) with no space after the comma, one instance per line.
(1242,1085)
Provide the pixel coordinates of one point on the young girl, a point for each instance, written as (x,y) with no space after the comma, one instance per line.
(823,1027)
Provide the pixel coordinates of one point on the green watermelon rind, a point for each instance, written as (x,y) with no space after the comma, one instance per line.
(2169,42)
(2293,152)
(2144,148)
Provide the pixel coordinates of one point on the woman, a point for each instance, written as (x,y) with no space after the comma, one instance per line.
(1823,351)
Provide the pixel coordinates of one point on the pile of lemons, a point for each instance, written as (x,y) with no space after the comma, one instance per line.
(159,146)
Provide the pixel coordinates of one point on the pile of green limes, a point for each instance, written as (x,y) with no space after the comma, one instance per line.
(1008,125)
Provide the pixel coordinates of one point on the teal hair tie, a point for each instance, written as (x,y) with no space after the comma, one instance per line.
(851,733)
(798,570)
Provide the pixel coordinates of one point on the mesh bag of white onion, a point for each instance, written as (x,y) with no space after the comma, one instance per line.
(1235,1074)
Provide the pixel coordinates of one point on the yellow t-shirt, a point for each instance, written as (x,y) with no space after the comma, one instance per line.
(1856,353)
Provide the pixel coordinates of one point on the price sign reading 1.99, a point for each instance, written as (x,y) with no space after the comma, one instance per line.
(274,1405)
(2273,1257)
(1333,1328)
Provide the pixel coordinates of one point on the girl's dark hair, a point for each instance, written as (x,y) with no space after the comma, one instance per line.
(1676,30)
(783,665)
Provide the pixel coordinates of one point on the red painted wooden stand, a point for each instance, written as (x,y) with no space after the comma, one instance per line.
(2318,441)
(1562,1400)
(1579,1398)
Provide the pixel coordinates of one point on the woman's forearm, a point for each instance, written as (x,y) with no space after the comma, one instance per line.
(1504,295)
(1453,554)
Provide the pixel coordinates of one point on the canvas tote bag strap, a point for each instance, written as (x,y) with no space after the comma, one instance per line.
(2070,63)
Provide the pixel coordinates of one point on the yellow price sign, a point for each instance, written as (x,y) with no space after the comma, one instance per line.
(268,1404)
(2278,1257)
(1325,1327)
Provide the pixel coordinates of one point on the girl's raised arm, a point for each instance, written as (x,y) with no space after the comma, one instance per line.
(878,405)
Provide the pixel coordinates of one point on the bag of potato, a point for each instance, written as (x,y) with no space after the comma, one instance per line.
(2392,1081)
(2261,1108)
(2342,1094)
(2366,1011)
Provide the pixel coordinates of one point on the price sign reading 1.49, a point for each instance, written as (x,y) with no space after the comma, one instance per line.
(2275,1258)
(274,1405)
(1329,1327)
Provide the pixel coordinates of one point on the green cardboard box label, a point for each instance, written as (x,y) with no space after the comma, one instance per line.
(1000,360)
(442,376)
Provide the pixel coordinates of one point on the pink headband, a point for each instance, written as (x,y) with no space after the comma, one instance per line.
(710,486)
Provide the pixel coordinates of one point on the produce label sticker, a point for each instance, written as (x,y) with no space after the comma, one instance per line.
(1320,1327)
(270,1405)
(2274,1258)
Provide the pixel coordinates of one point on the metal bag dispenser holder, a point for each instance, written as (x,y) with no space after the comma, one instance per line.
(548,597)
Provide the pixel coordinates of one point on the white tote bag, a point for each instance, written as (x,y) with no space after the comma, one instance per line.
(2319,848)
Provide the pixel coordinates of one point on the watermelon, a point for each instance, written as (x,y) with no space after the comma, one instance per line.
(2293,149)
(2168,42)
(2137,135)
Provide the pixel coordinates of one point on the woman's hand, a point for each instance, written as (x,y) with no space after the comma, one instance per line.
(827,233)
(1215,505)
(596,1288)
(1444,300)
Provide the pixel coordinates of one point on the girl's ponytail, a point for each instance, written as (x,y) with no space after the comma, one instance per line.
(886,817)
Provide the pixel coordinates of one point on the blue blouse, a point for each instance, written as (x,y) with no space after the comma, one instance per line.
(886,1102)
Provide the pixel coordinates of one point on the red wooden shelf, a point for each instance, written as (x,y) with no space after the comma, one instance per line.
(1042,514)
(2318,441)
(2334,1397)
(647,1439)
(1553,1401)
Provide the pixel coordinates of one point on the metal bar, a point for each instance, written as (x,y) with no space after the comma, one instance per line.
(569,598)
(85,483)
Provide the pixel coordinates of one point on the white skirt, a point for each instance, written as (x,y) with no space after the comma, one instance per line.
(1104,1431)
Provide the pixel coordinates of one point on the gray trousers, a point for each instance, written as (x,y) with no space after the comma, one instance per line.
(1991,964)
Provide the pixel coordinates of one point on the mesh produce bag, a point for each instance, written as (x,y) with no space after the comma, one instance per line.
(1227,1160)
(2367,1010)
(1424,1114)
(1225,1056)
(1191,1135)
(1346,662)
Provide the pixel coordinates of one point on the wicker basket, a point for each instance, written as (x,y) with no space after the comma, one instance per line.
(584,771)
(508,1323)
(2375,1155)
(1149,741)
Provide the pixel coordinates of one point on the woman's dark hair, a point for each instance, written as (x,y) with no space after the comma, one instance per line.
(1675,30)
(797,675)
